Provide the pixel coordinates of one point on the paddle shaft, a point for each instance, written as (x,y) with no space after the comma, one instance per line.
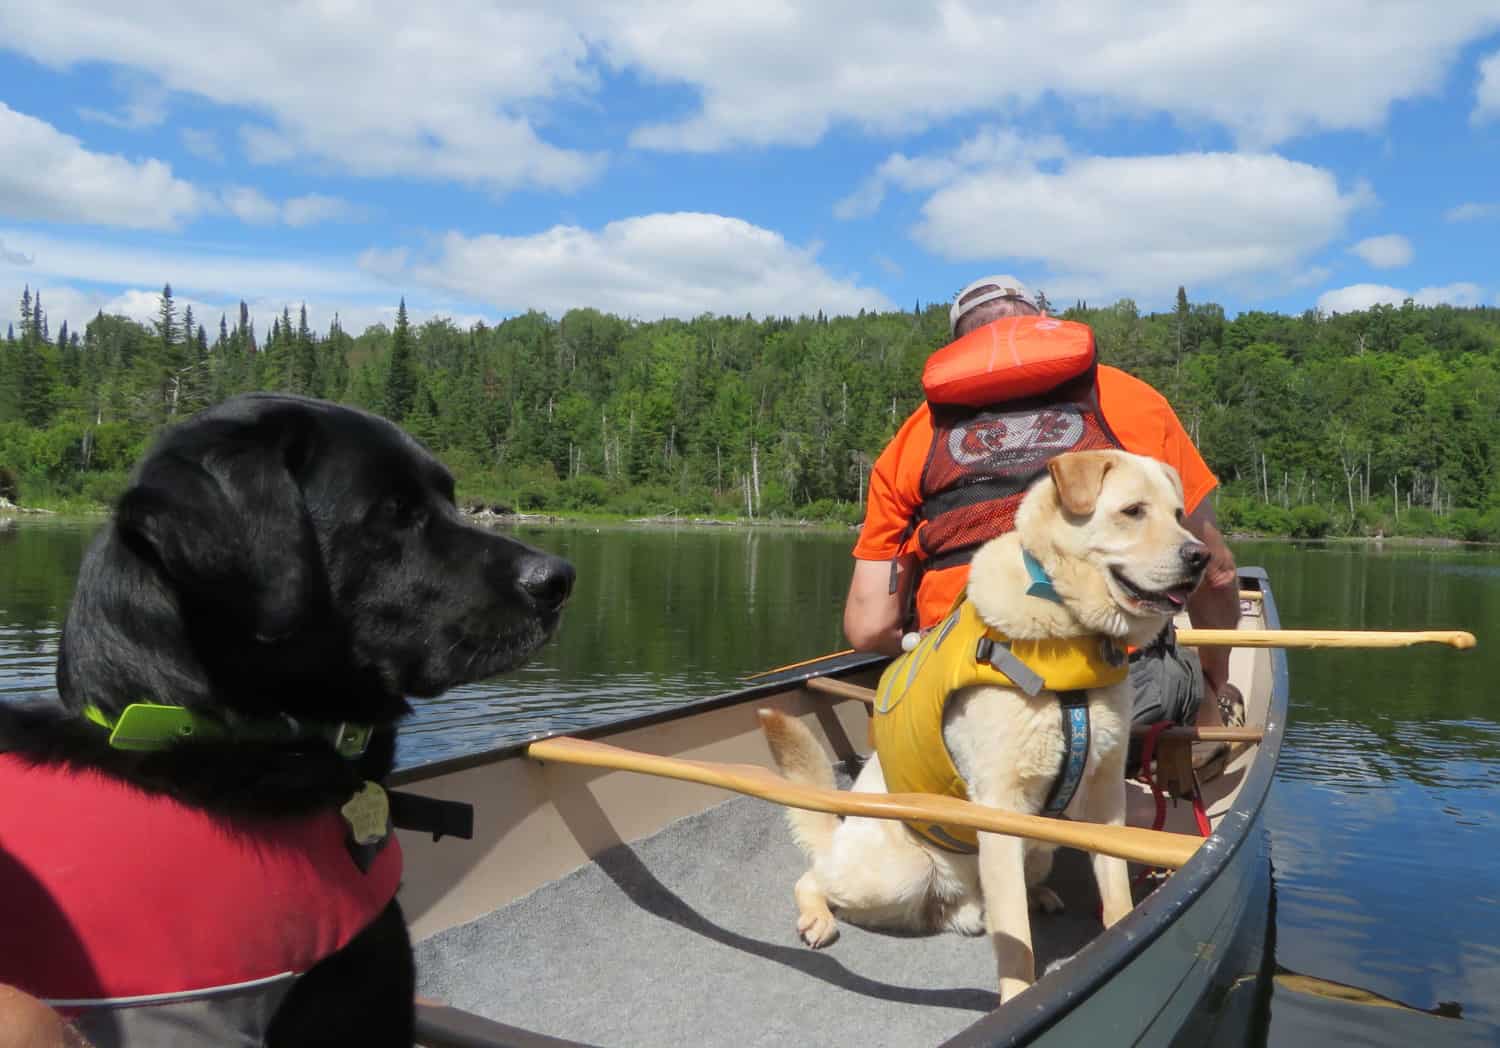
(1153,847)
(844,690)
(1323,638)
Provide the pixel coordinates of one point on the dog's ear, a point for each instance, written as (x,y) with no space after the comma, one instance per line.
(226,523)
(1175,479)
(1079,477)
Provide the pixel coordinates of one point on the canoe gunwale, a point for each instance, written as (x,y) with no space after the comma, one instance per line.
(770,684)
(1053,997)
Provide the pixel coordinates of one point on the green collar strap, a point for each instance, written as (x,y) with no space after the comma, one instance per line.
(150,726)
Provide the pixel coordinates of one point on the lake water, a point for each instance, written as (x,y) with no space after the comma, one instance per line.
(1384,821)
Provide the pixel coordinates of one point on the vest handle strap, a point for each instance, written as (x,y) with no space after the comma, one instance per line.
(1007,662)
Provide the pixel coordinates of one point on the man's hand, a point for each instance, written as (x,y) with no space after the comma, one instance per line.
(872,613)
(1215,604)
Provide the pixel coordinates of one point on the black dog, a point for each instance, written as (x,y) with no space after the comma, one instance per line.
(287,568)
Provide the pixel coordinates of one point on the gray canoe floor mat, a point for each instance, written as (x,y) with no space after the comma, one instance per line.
(689,937)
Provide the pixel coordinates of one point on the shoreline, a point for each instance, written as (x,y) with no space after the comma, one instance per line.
(488,517)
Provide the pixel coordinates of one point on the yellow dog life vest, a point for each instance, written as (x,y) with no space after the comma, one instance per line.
(960,652)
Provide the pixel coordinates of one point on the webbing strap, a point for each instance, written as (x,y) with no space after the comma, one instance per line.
(1007,662)
(1075,722)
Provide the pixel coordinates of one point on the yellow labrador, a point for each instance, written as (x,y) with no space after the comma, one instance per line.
(1107,528)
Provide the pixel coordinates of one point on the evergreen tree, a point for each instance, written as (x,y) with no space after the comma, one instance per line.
(1182,319)
(28,324)
(401,377)
(166,318)
(304,359)
(30,389)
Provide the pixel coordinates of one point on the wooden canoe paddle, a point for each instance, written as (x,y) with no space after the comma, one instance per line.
(1323,638)
(1153,847)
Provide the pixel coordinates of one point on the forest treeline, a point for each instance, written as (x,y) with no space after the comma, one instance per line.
(1382,421)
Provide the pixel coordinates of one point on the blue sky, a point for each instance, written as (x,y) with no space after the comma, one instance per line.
(481,159)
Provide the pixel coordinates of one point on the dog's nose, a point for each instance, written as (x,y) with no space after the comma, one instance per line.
(1195,555)
(546,579)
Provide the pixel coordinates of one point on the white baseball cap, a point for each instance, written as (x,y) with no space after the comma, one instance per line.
(993,287)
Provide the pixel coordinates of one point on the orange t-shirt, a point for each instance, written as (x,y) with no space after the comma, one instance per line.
(1139,416)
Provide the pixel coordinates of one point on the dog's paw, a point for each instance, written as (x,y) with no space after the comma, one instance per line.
(967,919)
(817,930)
(1044,899)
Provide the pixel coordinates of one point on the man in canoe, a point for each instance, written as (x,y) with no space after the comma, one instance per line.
(954,472)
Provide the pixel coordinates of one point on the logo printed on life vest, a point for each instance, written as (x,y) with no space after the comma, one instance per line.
(1015,437)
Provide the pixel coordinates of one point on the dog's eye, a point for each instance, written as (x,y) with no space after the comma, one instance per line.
(399,509)
(1134,510)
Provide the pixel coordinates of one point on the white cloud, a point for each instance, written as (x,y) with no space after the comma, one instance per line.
(1385,252)
(1356,297)
(651,266)
(386,263)
(1487,95)
(15,258)
(145,105)
(1105,226)
(314,208)
(1337,65)
(50,176)
(250,205)
(191,269)
(202,144)
(1462,293)
(1472,212)
(465,90)
(990,148)
(447,91)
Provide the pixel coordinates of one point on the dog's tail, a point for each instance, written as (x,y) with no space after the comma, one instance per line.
(802,760)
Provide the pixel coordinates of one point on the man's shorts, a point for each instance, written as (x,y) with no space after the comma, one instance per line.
(1166,683)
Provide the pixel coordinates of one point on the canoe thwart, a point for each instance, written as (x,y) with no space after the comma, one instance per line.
(1153,847)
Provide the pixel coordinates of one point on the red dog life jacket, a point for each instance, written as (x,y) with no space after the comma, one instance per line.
(111,897)
(1005,399)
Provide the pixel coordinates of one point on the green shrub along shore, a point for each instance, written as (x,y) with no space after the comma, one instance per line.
(1382,423)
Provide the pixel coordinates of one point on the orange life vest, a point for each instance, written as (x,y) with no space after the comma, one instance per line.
(1005,399)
